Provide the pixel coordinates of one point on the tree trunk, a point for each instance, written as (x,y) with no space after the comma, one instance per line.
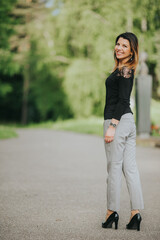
(24,116)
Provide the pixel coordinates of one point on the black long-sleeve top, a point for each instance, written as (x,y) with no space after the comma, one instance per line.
(118,90)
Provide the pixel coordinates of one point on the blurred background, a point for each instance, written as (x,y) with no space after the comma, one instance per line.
(55,56)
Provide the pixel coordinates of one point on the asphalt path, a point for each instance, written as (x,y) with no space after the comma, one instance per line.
(53,187)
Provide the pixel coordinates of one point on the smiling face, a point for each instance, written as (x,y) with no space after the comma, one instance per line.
(123,50)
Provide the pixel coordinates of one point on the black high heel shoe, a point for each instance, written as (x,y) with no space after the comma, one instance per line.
(114,217)
(135,222)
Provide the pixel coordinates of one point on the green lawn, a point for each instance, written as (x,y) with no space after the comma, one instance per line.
(92,125)
(7,132)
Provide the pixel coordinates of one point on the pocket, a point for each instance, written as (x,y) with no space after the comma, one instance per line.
(128,116)
(124,128)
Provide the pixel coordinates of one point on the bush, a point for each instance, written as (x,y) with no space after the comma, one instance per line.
(85,88)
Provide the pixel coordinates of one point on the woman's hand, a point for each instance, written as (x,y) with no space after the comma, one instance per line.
(109,136)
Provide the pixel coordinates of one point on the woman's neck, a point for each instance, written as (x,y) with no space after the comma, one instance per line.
(122,62)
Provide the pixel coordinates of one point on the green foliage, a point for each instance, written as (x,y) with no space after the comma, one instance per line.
(48,95)
(46,91)
(5,88)
(7,64)
(10,97)
(85,94)
(8,67)
(6,22)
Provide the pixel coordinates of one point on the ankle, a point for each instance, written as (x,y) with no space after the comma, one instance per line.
(133,212)
(109,212)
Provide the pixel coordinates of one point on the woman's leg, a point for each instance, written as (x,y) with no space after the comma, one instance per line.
(108,155)
(131,172)
(114,153)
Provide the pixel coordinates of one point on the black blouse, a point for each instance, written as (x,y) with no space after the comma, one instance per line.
(118,90)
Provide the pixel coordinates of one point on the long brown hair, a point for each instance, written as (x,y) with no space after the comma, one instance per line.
(133,61)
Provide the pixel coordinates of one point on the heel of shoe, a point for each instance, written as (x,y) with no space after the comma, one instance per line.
(138,226)
(116,223)
(139,219)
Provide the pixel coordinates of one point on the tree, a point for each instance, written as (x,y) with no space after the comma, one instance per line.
(7,66)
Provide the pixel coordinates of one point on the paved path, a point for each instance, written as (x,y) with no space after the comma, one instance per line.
(52,187)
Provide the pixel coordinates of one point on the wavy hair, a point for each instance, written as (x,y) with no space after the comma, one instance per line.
(133,61)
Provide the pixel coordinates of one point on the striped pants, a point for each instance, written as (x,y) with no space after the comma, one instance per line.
(121,157)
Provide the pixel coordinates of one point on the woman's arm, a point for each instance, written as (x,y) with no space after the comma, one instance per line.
(125,83)
(109,136)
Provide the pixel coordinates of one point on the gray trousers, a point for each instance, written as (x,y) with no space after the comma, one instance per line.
(121,157)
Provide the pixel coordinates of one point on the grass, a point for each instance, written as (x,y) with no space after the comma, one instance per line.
(155,112)
(92,125)
(7,132)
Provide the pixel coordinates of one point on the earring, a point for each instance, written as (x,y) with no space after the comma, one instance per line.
(131,58)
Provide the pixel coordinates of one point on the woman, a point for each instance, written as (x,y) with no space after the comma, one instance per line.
(120,133)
